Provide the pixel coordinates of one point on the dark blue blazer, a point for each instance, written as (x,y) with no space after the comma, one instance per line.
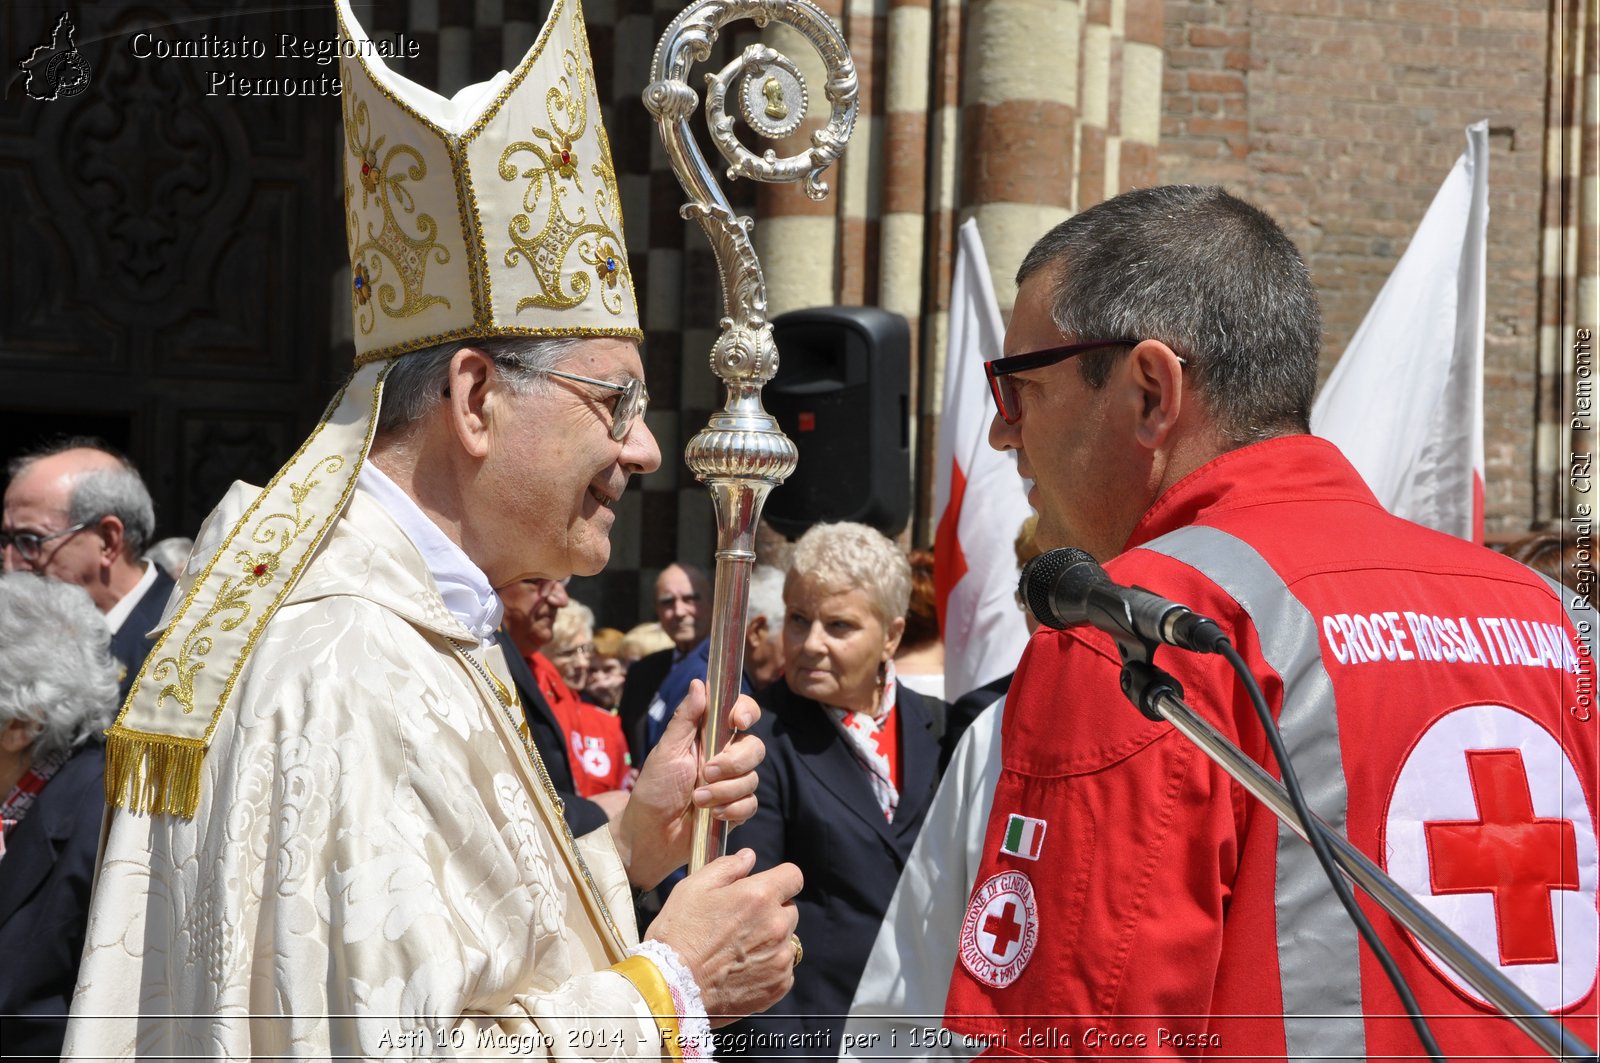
(638,690)
(817,810)
(130,644)
(45,880)
(696,664)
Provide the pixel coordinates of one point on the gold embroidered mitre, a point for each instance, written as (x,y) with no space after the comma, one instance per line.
(494,213)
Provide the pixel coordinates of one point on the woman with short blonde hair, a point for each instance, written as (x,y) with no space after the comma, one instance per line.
(846,554)
(852,764)
(572,643)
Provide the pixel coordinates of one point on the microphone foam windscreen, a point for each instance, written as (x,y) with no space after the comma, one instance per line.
(1039,579)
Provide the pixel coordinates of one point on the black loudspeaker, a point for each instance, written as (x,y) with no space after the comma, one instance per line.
(843,393)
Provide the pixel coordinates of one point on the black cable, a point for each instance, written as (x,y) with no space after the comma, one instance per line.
(1319,845)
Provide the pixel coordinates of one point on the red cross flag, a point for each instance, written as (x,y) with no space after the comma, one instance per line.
(1488,827)
(1405,402)
(978,496)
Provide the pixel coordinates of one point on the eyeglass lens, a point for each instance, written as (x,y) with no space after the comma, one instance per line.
(629,407)
(1005,397)
(30,545)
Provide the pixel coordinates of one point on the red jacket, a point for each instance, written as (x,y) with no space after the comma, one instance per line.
(1440,709)
(595,743)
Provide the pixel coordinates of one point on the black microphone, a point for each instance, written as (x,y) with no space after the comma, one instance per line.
(1067,587)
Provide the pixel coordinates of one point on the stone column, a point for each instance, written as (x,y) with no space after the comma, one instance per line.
(1019,120)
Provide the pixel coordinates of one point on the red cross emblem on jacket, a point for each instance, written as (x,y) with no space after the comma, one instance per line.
(1508,851)
(1488,826)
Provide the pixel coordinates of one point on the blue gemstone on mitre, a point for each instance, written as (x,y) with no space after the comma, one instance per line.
(611,264)
(360,283)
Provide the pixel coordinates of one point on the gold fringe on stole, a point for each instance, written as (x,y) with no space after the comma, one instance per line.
(153,773)
(646,978)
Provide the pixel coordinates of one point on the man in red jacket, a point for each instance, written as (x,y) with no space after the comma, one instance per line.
(1437,699)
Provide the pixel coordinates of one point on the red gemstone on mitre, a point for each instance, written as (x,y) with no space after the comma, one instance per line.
(260,570)
(366,168)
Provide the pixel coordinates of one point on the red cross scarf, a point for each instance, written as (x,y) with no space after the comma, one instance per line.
(874,739)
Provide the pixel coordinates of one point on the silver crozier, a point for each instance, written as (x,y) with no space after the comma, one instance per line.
(742,454)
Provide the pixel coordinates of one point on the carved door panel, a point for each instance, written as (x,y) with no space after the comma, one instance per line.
(170,248)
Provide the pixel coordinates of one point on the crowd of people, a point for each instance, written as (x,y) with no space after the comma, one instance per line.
(853,752)
(378,786)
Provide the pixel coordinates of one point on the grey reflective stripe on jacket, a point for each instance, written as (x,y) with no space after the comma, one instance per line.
(1319,956)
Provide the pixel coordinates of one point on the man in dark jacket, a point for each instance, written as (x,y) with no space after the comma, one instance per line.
(77,511)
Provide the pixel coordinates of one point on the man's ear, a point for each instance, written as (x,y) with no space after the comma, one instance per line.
(470,395)
(1156,373)
(113,538)
(755,633)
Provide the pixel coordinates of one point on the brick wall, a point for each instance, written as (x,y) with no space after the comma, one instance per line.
(1341,118)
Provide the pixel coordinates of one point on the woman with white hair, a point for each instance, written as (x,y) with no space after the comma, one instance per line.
(852,764)
(601,766)
(58,691)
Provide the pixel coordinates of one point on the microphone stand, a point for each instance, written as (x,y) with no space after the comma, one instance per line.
(1159,697)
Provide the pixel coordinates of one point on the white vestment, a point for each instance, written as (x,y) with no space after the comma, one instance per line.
(376,868)
(899,1001)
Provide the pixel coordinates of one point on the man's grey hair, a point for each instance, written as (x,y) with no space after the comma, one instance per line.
(766,596)
(118,492)
(849,556)
(1209,275)
(417,381)
(56,669)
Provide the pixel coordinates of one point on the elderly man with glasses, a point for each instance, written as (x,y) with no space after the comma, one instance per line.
(683,609)
(77,511)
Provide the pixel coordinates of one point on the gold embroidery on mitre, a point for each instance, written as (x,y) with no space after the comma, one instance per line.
(554,181)
(507,297)
(383,177)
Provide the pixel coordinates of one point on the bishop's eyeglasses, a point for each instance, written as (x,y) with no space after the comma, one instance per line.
(630,406)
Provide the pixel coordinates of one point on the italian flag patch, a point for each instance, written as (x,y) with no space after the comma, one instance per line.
(1024,837)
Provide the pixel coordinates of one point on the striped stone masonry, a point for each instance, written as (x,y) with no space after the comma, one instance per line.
(1567,255)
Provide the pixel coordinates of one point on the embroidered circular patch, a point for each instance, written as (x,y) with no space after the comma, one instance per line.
(1488,826)
(596,761)
(1000,930)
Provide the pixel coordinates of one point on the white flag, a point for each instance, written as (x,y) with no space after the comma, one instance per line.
(1405,403)
(979,497)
